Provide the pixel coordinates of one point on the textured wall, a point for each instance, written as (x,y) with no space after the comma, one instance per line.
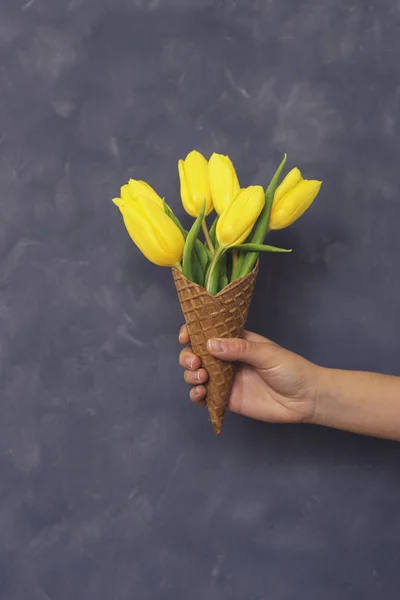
(111,484)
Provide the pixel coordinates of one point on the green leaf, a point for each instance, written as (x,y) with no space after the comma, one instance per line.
(213,233)
(168,211)
(223,281)
(201,262)
(213,272)
(198,271)
(200,259)
(188,250)
(202,253)
(260,248)
(261,228)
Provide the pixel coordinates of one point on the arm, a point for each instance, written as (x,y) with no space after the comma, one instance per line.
(275,385)
(366,403)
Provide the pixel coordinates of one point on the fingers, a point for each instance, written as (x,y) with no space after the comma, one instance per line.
(196,377)
(260,355)
(188,360)
(198,394)
(184,335)
(254,337)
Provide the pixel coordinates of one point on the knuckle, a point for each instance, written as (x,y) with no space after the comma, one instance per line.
(183,336)
(182,357)
(194,397)
(203,375)
(187,376)
(241,347)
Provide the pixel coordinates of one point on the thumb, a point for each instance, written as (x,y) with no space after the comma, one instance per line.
(261,355)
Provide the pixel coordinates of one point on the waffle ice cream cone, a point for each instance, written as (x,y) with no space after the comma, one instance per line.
(223,315)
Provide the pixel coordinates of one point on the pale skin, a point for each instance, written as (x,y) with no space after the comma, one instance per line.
(275,385)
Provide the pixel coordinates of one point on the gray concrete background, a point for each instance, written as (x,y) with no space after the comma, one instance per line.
(111,484)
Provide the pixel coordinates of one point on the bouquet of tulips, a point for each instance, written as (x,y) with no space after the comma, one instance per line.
(214,276)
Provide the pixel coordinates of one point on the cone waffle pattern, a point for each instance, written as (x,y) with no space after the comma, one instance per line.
(223,315)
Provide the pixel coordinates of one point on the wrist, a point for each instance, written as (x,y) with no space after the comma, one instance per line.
(325,384)
(314,393)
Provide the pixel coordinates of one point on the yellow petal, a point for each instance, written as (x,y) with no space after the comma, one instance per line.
(141,188)
(155,234)
(126,194)
(185,191)
(294,204)
(224,183)
(118,202)
(239,217)
(292,178)
(196,187)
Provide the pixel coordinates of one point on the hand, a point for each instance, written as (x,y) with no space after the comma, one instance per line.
(271,384)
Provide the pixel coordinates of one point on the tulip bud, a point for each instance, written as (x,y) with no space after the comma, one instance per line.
(153,232)
(224,184)
(237,220)
(290,205)
(143,189)
(195,189)
(292,178)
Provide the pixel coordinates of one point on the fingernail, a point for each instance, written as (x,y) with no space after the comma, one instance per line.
(190,362)
(198,375)
(216,346)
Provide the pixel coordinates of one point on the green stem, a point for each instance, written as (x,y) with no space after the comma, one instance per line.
(235,264)
(212,276)
(207,236)
(222,276)
(178,266)
(261,228)
(213,232)
(239,265)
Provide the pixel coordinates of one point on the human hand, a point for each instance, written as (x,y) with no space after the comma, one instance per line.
(271,383)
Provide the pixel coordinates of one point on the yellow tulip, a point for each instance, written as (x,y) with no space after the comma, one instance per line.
(287,208)
(143,189)
(135,188)
(292,178)
(237,220)
(195,188)
(153,232)
(224,184)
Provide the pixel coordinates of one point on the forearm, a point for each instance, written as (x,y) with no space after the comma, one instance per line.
(366,403)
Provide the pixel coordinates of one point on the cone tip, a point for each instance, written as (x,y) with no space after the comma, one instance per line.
(217,427)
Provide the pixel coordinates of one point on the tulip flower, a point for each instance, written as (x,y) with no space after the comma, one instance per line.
(234,226)
(237,220)
(195,188)
(292,198)
(153,232)
(224,184)
(292,178)
(138,188)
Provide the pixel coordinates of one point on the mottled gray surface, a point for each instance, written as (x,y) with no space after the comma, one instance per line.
(112,485)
